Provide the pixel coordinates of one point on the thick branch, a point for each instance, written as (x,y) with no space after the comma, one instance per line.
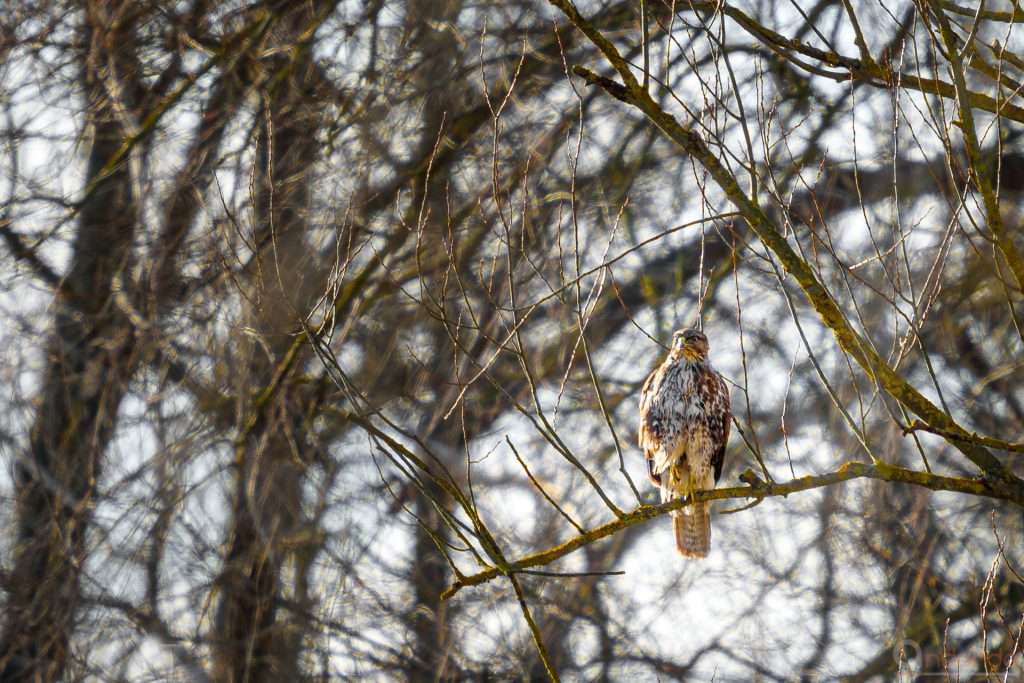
(758,490)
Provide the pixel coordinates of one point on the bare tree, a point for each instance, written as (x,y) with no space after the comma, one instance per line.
(324,327)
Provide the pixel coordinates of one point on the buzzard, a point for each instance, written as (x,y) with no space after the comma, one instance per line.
(684,427)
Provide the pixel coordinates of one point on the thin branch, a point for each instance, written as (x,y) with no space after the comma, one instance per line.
(970,437)
(549,666)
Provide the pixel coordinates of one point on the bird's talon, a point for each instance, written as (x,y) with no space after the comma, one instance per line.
(752,480)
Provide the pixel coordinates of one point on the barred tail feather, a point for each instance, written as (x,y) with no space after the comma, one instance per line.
(692,525)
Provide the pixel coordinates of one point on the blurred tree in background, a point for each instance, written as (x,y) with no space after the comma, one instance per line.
(324,325)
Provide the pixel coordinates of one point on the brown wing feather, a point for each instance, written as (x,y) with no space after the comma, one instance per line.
(718,459)
(647,434)
(648,430)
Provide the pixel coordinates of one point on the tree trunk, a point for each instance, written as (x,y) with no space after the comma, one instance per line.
(270,544)
(89,360)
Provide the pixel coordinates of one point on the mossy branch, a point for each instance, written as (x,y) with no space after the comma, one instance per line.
(755,489)
(970,437)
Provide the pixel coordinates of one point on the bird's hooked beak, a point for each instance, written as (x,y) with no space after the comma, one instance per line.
(690,351)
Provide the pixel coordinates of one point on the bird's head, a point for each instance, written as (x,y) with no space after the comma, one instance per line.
(690,344)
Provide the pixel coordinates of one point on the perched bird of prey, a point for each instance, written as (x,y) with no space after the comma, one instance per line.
(684,427)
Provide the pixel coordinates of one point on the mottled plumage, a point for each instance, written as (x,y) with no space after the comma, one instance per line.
(684,427)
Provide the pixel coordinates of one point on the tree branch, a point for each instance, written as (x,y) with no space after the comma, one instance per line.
(869,71)
(23,252)
(969,437)
(755,489)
